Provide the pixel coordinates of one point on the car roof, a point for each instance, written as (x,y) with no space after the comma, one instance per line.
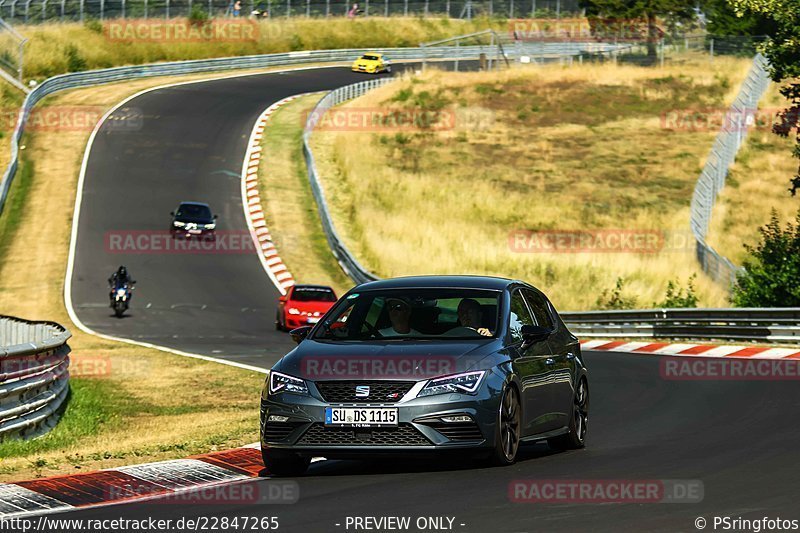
(421,282)
(194,203)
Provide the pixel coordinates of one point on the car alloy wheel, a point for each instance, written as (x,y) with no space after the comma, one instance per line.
(575,438)
(508,428)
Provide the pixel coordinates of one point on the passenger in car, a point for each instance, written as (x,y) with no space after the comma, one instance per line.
(400,317)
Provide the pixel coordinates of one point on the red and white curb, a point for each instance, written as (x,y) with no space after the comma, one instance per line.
(691,350)
(253,210)
(137,482)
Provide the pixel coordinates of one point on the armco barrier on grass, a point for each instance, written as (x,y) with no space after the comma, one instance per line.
(34,376)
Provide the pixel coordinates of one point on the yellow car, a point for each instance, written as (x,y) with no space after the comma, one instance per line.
(372,63)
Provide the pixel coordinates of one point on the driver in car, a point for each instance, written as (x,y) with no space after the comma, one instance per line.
(469,316)
(400,317)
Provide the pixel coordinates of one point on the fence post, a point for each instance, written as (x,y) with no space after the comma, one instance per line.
(288,8)
(210,8)
(386,8)
(308,8)
(711,49)
(80,8)
(426,7)
(44,10)
(146,6)
(405,8)
(366,8)
(62,10)
(166,13)
(511,10)
(327,8)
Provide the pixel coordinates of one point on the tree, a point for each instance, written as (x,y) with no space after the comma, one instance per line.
(629,13)
(722,20)
(771,276)
(783,51)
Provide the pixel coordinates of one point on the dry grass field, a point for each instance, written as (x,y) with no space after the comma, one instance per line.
(555,149)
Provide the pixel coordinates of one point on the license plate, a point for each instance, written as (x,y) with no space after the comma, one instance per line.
(195,231)
(361,416)
(312,319)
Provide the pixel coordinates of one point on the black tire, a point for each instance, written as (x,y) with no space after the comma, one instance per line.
(509,425)
(284,464)
(278,322)
(119,311)
(575,438)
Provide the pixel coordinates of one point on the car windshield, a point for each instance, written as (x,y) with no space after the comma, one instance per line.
(193,213)
(313,294)
(398,314)
(370,58)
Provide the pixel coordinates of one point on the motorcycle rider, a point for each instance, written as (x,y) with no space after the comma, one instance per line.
(120,278)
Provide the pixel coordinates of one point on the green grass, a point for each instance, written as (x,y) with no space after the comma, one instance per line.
(15,205)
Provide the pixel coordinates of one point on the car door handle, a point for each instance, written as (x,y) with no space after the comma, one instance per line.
(549,361)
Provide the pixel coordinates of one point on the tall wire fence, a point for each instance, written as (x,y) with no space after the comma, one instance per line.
(712,178)
(37,11)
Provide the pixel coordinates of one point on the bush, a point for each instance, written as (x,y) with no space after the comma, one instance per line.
(675,297)
(771,276)
(613,299)
(75,61)
(198,16)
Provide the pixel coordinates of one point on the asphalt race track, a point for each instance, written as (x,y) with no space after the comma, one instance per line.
(738,438)
(188,145)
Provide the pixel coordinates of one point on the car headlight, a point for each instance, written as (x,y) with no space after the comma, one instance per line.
(293,311)
(466,383)
(282,383)
(211,226)
(178,224)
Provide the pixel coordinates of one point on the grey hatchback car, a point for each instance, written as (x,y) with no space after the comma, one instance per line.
(426,364)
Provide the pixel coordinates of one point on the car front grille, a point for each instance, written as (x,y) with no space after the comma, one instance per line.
(402,435)
(379,391)
(277,431)
(458,432)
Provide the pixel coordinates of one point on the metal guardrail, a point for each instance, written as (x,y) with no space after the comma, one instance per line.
(96,77)
(750,324)
(34,376)
(712,178)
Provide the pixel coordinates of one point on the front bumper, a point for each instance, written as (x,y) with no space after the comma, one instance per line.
(198,234)
(419,428)
(298,321)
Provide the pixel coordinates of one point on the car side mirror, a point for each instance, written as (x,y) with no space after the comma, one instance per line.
(532,334)
(282,299)
(298,334)
(216,217)
(172,213)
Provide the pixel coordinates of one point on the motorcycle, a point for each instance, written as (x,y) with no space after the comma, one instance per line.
(120,299)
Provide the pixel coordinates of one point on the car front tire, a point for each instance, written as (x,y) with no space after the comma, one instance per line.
(509,425)
(575,438)
(280,463)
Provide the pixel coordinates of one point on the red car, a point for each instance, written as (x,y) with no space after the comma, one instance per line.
(303,305)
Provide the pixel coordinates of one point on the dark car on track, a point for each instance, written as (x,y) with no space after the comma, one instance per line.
(303,305)
(426,364)
(193,220)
